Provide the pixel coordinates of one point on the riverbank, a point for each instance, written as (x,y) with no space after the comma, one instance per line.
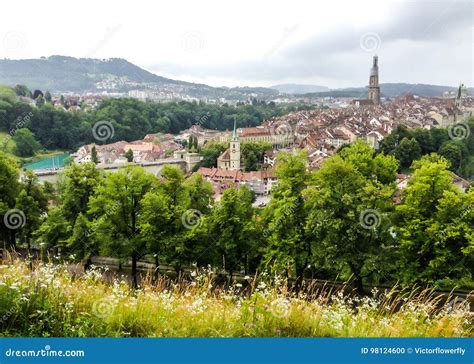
(50,301)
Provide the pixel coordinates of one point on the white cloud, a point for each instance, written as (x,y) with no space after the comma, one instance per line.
(251,42)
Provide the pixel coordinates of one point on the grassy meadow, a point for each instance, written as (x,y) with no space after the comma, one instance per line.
(47,300)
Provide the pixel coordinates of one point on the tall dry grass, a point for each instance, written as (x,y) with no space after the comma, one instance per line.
(48,300)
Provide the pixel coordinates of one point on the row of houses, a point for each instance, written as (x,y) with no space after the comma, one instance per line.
(261,182)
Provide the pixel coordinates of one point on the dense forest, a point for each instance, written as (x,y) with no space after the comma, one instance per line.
(345,221)
(132,119)
(408,145)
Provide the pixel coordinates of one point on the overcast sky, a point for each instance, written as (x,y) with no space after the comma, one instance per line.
(254,42)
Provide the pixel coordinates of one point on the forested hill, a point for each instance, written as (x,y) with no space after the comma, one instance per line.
(68,74)
(58,73)
(132,119)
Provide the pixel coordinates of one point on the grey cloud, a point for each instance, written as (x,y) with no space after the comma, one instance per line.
(337,54)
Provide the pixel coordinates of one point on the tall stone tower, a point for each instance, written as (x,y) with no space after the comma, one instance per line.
(374,88)
(235,150)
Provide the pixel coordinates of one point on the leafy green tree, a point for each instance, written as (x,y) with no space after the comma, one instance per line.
(253,154)
(232,228)
(199,193)
(288,248)
(193,143)
(47,97)
(454,152)
(9,188)
(407,152)
(349,203)
(39,101)
(55,231)
(129,155)
(181,235)
(81,243)
(80,183)
(434,226)
(22,90)
(425,140)
(439,137)
(33,203)
(116,208)
(94,157)
(156,222)
(25,143)
(391,141)
(210,154)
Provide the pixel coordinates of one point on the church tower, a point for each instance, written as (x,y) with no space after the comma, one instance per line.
(374,88)
(235,150)
(459,96)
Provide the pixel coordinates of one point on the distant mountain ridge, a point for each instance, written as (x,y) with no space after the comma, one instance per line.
(294,88)
(79,75)
(390,90)
(61,74)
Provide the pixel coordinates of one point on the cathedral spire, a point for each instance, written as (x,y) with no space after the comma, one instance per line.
(234,133)
(374,88)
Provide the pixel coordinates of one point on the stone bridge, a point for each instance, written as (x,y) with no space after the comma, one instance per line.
(53,175)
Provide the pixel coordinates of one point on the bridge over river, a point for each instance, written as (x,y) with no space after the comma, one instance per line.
(52,175)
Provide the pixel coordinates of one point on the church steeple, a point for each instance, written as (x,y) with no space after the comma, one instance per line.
(234,150)
(234,133)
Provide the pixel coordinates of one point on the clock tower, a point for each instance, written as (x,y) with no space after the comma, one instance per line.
(234,150)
